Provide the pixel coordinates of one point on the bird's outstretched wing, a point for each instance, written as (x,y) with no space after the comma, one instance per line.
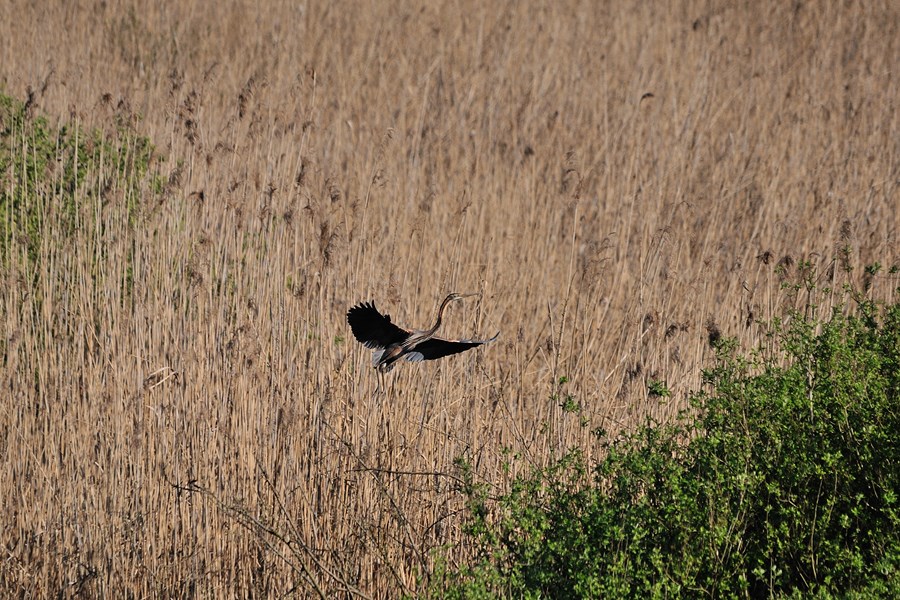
(373,329)
(438,348)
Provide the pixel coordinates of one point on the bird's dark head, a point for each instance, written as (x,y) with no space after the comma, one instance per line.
(456,296)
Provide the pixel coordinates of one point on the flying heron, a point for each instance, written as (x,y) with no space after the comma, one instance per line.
(391,343)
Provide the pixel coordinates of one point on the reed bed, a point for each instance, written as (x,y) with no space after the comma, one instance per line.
(185,410)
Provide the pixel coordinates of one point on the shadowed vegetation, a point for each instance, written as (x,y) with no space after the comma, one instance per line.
(780,480)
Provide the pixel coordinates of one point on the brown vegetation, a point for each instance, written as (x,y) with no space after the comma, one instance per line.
(623,184)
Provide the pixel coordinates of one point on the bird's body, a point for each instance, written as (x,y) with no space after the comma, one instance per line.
(391,343)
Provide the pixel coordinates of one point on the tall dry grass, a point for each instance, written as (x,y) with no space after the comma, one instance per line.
(620,182)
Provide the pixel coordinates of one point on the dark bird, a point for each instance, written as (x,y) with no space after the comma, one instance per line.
(391,343)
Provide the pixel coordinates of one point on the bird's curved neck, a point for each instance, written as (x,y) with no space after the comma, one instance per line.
(440,315)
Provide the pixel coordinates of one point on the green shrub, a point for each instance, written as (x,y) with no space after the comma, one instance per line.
(782,480)
(48,172)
